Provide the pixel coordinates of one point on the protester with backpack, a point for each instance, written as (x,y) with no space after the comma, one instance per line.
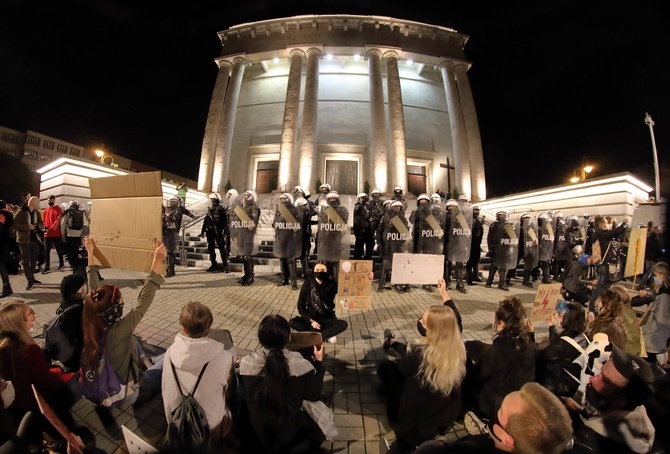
(109,335)
(72,225)
(198,382)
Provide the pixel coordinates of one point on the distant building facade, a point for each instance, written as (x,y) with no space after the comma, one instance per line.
(345,100)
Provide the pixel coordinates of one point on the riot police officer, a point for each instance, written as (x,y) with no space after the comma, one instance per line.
(547,233)
(333,234)
(244,217)
(288,238)
(457,241)
(529,247)
(362,228)
(301,201)
(472,265)
(399,194)
(494,242)
(428,221)
(214,226)
(395,238)
(562,253)
(322,199)
(172,217)
(376,212)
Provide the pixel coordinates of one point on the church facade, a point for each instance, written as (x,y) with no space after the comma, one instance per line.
(345,100)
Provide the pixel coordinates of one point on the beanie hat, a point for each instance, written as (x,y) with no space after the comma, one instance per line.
(71,284)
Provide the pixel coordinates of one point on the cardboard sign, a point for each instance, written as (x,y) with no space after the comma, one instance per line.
(303,339)
(417,269)
(127,219)
(353,284)
(545,301)
(74,443)
(637,245)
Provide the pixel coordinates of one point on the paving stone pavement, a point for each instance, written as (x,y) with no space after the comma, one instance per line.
(358,405)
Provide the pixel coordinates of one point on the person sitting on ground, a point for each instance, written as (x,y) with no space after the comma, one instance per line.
(23,363)
(278,384)
(609,320)
(422,389)
(631,324)
(613,417)
(67,348)
(576,287)
(555,364)
(656,328)
(102,319)
(531,420)
(505,365)
(316,305)
(192,351)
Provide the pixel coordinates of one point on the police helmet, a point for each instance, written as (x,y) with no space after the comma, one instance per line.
(307,194)
(214,196)
(333,195)
(543,215)
(397,203)
(475,208)
(376,191)
(362,195)
(397,188)
(501,213)
(298,189)
(325,186)
(435,197)
(452,203)
(525,215)
(423,196)
(232,193)
(252,194)
(387,203)
(300,202)
(558,214)
(174,199)
(286,195)
(74,203)
(462,198)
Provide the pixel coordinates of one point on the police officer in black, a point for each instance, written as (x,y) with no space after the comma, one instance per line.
(243,226)
(362,228)
(301,200)
(376,212)
(287,244)
(492,239)
(472,265)
(395,236)
(214,226)
(172,217)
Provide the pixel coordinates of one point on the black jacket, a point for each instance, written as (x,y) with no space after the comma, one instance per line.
(312,309)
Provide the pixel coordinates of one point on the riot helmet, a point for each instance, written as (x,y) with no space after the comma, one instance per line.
(462,198)
(74,204)
(215,198)
(475,211)
(298,190)
(424,197)
(398,191)
(325,188)
(501,216)
(452,203)
(307,194)
(232,194)
(376,194)
(362,197)
(286,199)
(386,205)
(250,196)
(173,202)
(333,198)
(435,198)
(397,207)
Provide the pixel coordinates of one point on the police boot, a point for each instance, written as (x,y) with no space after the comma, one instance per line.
(170,265)
(428,288)
(447,275)
(293,273)
(459,280)
(545,273)
(382,281)
(492,273)
(249,271)
(283,265)
(224,262)
(501,284)
(6,290)
(526,279)
(213,268)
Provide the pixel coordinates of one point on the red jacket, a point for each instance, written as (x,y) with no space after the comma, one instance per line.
(51,221)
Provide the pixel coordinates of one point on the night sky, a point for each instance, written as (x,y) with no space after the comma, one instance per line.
(554,82)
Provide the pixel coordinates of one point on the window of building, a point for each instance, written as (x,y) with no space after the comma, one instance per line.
(31,168)
(30,155)
(9,151)
(32,140)
(48,144)
(61,148)
(9,137)
(74,152)
(46,157)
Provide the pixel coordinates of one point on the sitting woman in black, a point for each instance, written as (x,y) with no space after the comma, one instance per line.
(316,305)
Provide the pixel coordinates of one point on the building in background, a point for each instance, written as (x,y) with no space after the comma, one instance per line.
(345,100)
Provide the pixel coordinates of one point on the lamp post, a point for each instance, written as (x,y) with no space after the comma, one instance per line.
(649,122)
(585,170)
(102,155)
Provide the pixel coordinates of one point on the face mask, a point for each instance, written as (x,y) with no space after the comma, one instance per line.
(51,204)
(8,395)
(111,315)
(321,275)
(32,330)
(658,281)
(420,328)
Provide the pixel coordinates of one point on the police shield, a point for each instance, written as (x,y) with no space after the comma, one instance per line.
(507,246)
(428,230)
(530,243)
(243,217)
(396,236)
(287,225)
(460,233)
(334,235)
(561,248)
(547,233)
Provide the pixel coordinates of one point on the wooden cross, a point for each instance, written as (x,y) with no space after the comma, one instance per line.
(449,167)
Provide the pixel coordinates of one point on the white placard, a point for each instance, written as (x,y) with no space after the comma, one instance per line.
(418,269)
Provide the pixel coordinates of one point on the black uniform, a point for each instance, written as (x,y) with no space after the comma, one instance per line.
(362,230)
(376,212)
(394,240)
(472,266)
(172,217)
(214,226)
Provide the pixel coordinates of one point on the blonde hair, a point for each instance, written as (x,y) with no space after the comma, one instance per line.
(13,335)
(623,293)
(443,359)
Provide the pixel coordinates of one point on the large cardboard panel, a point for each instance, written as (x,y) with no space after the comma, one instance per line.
(353,284)
(637,245)
(126,219)
(417,269)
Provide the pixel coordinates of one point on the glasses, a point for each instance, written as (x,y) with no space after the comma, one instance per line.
(30,312)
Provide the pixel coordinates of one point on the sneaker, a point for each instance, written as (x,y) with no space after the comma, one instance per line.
(388,339)
(29,286)
(35,281)
(46,271)
(474,425)
(333,340)
(61,266)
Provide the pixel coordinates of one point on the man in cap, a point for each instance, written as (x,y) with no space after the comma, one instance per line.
(213,226)
(576,287)
(362,228)
(472,265)
(171,224)
(52,234)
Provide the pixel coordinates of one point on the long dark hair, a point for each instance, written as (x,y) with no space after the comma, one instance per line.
(574,320)
(96,302)
(511,312)
(273,334)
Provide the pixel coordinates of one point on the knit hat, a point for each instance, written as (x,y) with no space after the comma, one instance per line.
(71,284)
(637,371)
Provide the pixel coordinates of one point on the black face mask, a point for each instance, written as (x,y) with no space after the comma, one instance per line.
(51,203)
(420,328)
(321,275)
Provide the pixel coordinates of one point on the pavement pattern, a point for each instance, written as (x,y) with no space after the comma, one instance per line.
(358,404)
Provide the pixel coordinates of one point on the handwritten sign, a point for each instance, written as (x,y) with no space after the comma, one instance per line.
(417,269)
(353,284)
(545,301)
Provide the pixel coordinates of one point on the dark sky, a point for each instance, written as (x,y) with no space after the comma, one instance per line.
(554,81)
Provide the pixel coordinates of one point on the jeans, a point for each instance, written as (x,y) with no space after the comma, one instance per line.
(49,242)
(29,253)
(150,379)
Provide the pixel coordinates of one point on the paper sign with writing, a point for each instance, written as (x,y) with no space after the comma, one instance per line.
(353,285)
(545,301)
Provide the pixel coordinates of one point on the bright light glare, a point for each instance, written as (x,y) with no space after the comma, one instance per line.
(276,59)
(357,57)
(99,153)
(574,179)
(329,56)
(409,62)
(588,169)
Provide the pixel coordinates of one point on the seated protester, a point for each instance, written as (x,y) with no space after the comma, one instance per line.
(280,386)
(422,389)
(555,364)
(656,329)
(23,363)
(613,418)
(576,287)
(191,351)
(67,347)
(531,420)
(106,328)
(631,324)
(643,297)
(493,378)
(609,319)
(447,302)
(316,305)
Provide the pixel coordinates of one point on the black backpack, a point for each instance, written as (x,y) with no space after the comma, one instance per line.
(58,345)
(76,220)
(187,425)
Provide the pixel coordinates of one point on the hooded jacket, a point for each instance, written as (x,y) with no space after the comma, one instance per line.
(189,355)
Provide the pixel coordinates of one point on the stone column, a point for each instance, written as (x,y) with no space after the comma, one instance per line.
(224,141)
(290,122)
(476,155)
(397,122)
(212,126)
(310,114)
(378,149)
(459,137)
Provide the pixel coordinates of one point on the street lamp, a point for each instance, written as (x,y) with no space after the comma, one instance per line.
(649,122)
(585,170)
(102,155)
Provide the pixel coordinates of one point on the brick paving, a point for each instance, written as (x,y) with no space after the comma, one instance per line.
(360,413)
